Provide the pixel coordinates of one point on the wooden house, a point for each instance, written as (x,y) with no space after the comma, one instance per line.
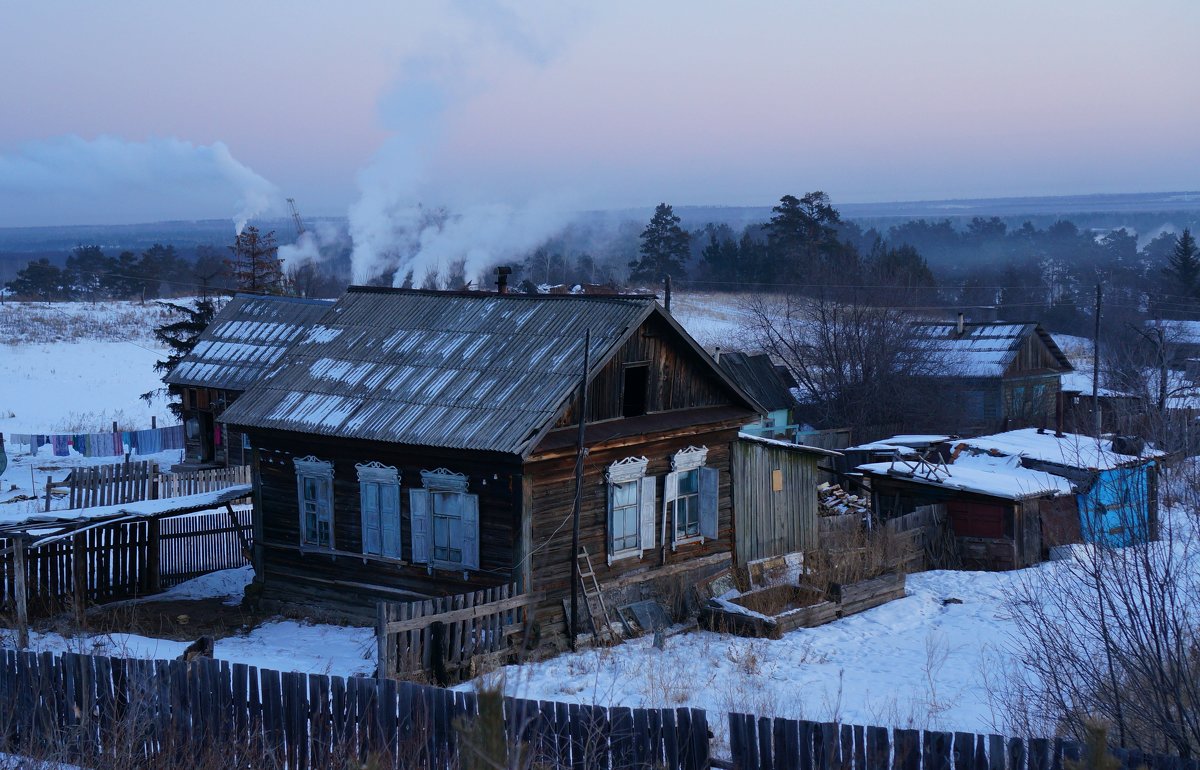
(1002,516)
(770,385)
(999,375)
(1115,481)
(244,340)
(413,443)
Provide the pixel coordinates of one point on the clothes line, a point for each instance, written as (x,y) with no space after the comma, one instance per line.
(141,442)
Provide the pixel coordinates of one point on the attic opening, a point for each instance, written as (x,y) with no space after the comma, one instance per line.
(634,390)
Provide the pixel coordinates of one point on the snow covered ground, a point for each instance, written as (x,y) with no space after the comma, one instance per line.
(715,320)
(283,645)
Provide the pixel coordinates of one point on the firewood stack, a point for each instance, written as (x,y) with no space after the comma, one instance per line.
(832,500)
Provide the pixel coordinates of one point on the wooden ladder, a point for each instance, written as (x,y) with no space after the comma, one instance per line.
(602,630)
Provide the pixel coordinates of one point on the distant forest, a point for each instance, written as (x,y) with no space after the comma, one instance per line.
(1038,268)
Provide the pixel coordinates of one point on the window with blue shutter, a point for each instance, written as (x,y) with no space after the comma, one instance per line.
(314,492)
(379,495)
(690,496)
(445,521)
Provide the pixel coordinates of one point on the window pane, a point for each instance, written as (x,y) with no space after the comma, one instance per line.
(688,482)
(625,494)
(310,488)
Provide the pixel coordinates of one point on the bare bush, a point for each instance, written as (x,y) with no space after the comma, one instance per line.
(1112,637)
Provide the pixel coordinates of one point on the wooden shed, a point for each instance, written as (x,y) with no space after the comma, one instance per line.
(774,497)
(414,443)
(1001,516)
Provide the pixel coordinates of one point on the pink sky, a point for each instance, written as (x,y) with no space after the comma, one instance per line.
(608,105)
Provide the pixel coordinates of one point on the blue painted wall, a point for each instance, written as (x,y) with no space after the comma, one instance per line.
(1116,511)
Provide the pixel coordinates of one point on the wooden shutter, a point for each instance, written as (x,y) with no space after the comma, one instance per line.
(370,517)
(612,495)
(670,492)
(325,505)
(708,502)
(469,506)
(389,519)
(646,513)
(418,503)
(300,501)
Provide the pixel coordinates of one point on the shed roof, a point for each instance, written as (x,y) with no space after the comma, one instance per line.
(759,377)
(1070,450)
(244,340)
(994,477)
(983,349)
(458,370)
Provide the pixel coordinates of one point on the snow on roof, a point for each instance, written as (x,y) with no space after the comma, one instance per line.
(1071,450)
(904,442)
(995,477)
(149,508)
(789,445)
(982,349)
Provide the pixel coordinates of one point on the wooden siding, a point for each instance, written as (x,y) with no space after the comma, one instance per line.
(345,579)
(1033,357)
(553,485)
(766,522)
(677,380)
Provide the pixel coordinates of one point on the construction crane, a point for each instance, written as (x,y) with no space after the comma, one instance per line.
(295,216)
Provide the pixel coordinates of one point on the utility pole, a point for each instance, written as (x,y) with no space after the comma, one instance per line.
(1162,370)
(1096,364)
(579,457)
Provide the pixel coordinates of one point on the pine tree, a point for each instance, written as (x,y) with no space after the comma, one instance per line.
(802,238)
(255,266)
(180,336)
(665,248)
(40,279)
(1183,266)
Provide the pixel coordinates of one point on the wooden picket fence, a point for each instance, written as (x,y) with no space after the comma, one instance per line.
(124,559)
(90,486)
(450,636)
(764,743)
(198,482)
(92,710)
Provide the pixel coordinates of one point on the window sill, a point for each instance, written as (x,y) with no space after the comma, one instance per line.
(625,555)
(687,540)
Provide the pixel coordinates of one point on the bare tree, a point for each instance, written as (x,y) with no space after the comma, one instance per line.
(1112,636)
(856,364)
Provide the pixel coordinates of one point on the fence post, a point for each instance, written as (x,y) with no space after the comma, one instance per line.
(79,576)
(154,556)
(20,595)
(49,480)
(384,653)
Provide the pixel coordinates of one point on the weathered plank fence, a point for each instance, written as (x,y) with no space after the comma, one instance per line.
(123,559)
(91,710)
(90,486)
(449,636)
(763,743)
(197,482)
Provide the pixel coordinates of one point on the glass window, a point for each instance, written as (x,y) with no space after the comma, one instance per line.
(447,527)
(317,519)
(687,504)
(624,516)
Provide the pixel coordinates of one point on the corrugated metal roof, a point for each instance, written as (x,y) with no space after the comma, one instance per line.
(456,370)
(759,377)
(245,339)
(982,350)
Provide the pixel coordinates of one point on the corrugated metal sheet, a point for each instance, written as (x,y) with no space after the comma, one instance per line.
(454,370)
(246,338)
(758,376)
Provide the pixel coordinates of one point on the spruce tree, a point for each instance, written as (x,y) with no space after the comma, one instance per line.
(180,336)
(665,248)
(1183,266)
(255,266)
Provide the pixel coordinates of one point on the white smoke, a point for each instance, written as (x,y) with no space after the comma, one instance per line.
(410,218)
(72,180)
(319,239)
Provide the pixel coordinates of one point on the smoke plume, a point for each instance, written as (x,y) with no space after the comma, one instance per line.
(414,217)
(72,180)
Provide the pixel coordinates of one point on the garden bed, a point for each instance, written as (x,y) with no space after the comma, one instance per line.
(770,612)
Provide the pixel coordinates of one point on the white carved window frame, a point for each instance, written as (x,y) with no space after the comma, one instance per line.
(311,467)
(446,481)
(376,472)
(631,470)
(689,459)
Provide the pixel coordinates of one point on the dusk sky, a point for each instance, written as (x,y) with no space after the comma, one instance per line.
(138,111)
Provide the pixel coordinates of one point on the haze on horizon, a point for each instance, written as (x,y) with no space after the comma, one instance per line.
(140,111)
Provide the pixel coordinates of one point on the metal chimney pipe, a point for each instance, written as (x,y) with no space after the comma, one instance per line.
(962,323)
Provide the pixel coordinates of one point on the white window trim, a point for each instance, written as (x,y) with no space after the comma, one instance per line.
(314,467)
(691,458)
(631,470)
(445,480)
